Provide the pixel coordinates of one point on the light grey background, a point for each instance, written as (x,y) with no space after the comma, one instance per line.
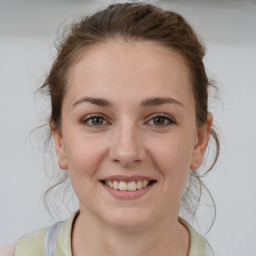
(27,34)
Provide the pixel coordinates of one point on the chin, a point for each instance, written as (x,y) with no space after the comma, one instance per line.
(129,220)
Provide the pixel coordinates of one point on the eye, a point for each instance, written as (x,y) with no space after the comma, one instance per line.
(161,120)
(95,120)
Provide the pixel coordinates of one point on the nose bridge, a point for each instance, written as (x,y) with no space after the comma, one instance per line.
(127,145)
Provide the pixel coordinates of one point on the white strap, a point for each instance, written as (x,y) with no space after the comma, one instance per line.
(208,250)
(51,238)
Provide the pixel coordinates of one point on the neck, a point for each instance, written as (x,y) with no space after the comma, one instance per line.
(93,237)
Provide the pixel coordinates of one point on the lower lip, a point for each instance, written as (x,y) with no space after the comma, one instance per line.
(121,194)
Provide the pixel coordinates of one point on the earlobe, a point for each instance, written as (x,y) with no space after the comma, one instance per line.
(203,136)
(60,149)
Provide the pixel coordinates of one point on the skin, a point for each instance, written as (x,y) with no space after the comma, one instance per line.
(128,140)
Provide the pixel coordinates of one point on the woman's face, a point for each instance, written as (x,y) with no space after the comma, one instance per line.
(128,120)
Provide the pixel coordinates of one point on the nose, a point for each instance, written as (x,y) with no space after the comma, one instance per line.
(127,146)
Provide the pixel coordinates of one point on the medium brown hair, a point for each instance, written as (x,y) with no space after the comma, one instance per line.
(137,22)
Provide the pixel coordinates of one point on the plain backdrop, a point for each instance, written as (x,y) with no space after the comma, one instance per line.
(27,35)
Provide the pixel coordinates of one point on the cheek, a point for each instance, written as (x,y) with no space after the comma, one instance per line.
(175,152)
(173,162)
(84,156)
(83,162)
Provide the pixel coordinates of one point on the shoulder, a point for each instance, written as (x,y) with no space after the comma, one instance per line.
(8,250)
(31,244)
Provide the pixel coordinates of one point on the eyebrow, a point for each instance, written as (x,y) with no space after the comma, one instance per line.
(159,101)
(95,101)
(145,103)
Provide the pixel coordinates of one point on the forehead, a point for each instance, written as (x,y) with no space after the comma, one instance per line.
(134,67)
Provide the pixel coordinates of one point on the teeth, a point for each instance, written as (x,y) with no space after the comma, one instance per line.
(127,186)
(132,186)
(122,185)
(144,183)
(115,184)
(139,185)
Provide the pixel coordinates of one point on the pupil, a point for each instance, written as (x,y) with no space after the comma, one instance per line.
(97,120)
(159,120)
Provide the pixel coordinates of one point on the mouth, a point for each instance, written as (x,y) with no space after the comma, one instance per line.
(131,186)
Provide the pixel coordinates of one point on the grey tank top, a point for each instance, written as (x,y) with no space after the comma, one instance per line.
(51,238)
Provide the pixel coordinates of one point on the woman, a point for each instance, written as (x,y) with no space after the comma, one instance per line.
(130,124)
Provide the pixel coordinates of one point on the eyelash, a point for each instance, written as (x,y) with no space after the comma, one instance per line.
(165,117)
(162,116)
(91,117)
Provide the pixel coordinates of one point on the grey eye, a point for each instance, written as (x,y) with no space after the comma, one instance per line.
(161,120)
(97,120)
(94,121)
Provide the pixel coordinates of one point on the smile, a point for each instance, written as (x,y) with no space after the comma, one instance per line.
(128,186)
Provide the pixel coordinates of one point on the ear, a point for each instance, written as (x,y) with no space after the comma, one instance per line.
(203,136)
(59,148)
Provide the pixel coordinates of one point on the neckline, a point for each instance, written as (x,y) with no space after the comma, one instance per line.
(196,247)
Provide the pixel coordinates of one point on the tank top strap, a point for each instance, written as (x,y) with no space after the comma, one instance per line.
(51,238)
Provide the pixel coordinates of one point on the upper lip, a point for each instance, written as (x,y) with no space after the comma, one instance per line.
(127,178)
